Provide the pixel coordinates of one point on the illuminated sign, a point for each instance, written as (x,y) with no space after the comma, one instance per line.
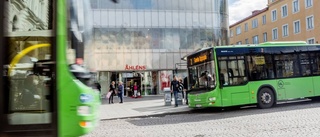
(259,60)
(200,58)
(137,67)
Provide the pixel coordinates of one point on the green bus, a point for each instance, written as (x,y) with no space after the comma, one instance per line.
(263,74)
(47,87)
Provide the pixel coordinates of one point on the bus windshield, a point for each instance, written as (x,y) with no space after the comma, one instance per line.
(202,76)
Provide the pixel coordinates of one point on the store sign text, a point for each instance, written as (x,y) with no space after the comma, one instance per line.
(137,67)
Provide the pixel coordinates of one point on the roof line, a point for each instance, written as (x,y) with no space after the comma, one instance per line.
(252,15)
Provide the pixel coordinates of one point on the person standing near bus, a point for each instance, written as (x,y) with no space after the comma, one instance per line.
(120,91)
(174,89)
(112,90)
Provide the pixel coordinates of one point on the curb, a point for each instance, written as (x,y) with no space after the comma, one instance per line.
(146,116)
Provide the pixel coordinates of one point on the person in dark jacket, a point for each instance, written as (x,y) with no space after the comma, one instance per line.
(174,89)
(112,90)
(120,91)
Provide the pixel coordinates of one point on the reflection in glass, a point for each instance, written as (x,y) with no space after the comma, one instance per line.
(27,24)
(162,25)
(25,16)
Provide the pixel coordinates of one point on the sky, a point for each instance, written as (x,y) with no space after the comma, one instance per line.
(239,9)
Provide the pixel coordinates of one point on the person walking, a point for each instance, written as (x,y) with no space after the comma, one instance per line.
(112,90)
(120,91)
(174,89)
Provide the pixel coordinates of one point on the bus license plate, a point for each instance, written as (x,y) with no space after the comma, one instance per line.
(198,105)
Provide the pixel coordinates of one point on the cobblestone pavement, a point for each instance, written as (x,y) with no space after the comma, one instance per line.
(295,120)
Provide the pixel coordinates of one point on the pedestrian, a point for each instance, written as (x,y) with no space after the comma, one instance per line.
(180,88)
(112,90)
(174,89)
(120,91)
(135,90)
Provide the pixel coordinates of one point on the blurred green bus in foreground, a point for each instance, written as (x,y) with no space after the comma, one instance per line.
(46,85)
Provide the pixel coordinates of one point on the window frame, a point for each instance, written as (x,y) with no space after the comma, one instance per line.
(286,11)
(256,37)
(264,19)
(274,17)
(313,38)
(254,23)
(265,37)
(307,22)
(283,30)
(298,6)
(306,4)
(275,36)
(294,27)
(238,30)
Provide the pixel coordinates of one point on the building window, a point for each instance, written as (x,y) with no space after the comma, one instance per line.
(273,15)
(231,33)
(255,23)
(246,27)
(309,3)
(247,41)
(264,19)
(296,25)
(239,43)
(255,39)
(238,30)
(275,34)
(310,22)
(295,5)
(284,11)
(310,41)
(265,37)
(285,31)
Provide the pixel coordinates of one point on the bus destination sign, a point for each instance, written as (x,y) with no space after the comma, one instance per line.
(199,59)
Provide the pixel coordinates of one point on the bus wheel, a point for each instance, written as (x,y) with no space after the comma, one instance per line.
(266,98)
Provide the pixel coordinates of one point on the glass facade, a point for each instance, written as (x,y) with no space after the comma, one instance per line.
(155,33)
(151,36)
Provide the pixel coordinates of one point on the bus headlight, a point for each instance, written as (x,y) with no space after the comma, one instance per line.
(212,99)
(84,110)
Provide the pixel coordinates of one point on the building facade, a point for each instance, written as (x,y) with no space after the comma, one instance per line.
(144,40)
(281,20)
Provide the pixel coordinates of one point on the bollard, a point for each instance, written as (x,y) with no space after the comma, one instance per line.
(167,96)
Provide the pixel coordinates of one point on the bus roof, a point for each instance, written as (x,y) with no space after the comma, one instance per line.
(266,44)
